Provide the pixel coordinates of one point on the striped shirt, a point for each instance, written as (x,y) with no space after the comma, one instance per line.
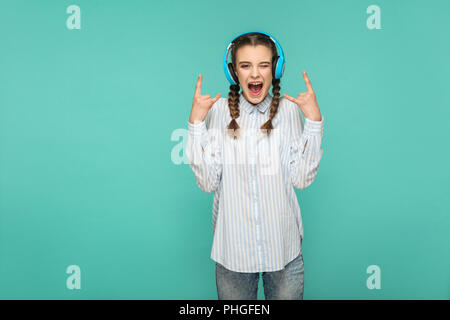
(256,218)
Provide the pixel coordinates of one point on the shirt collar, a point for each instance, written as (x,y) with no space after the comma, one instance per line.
(249,107)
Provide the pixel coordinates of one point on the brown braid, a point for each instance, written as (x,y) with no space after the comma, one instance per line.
(274,108)
(253,39)
(233,103)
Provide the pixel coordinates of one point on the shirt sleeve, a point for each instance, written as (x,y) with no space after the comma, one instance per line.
(305,151)
(203,151)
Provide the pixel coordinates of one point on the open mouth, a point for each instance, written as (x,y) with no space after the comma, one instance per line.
(255,88)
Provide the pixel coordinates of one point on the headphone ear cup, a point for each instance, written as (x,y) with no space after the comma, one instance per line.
(232,73)
(275,65)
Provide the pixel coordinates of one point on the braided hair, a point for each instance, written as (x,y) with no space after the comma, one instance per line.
(253,39)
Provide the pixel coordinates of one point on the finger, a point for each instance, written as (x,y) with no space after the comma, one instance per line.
(216,97)
(198,86)
(307,82)
(289,97)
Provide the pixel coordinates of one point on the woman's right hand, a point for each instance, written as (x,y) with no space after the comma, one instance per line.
(201,104)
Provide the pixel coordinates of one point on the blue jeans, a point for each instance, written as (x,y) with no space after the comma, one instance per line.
(285,284)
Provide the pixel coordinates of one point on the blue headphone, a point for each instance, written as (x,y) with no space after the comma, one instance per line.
(277,65)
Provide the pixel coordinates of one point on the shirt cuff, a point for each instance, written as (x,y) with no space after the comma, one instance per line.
(313,127)
(197,129)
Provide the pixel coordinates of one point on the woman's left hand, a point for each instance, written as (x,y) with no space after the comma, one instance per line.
(307,101)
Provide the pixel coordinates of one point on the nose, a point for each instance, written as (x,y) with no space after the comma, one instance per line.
(255,72)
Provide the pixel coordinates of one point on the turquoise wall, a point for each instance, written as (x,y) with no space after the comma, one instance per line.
(93,122)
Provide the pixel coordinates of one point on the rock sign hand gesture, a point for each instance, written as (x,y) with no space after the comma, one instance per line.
(307,101)
(201,104)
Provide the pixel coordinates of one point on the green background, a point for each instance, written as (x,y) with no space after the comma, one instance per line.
(86,170)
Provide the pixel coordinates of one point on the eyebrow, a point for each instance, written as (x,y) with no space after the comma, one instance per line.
(251,63)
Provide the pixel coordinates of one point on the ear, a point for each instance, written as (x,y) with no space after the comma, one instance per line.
(274,65)
(232,73)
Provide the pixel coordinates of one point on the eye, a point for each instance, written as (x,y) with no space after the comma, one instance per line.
(246,65)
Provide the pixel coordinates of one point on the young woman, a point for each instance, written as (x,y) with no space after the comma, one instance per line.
(251,149)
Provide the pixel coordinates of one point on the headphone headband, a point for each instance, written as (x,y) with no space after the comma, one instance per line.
(278,66)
